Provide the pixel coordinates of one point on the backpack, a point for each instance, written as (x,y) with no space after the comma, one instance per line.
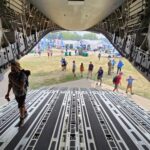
(27,73)
(15,80)
(64,62)
(115,79)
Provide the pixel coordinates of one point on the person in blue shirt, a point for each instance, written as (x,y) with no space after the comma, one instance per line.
(119,66)
(63,64)
(129,85)
(113,62)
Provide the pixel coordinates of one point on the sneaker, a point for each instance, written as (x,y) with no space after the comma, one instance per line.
(21,122)
(25,114)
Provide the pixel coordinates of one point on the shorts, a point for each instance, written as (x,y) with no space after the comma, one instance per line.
(20,100)
(129,86)
(99,77)
(90,70)
(73,70)
(116,86)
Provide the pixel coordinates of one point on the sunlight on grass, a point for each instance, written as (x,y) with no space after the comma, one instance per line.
(46,72)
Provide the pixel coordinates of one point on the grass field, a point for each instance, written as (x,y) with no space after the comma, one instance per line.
(46,72)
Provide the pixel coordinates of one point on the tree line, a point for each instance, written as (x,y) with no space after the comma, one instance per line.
(66,35)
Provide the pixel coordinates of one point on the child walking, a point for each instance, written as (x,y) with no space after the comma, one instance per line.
(129,85)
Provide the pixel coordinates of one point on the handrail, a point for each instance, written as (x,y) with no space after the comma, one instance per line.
(133,19)
(14,1)
(136,29)
(136,4)
(133,24)
(136,9)
(10,5)
(135,15)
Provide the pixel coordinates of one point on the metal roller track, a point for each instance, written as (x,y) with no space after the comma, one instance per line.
(75,119)
(9,112)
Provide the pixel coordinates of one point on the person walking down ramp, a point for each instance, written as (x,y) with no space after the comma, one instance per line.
(119,66)
(99,76)
(81,69)
(90,70)
(117,81)
(129,85)
(18,82)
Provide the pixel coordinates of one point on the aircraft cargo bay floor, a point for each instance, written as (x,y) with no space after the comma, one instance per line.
(75,119)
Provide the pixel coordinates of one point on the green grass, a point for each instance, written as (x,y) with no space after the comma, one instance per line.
(46,72)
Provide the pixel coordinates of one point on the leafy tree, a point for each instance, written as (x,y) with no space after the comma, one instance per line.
(90,36)
(71,36)
(66,35)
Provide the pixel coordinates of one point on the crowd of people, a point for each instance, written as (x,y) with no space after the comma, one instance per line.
(100,72)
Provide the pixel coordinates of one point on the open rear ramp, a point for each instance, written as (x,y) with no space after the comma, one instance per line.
(75,119)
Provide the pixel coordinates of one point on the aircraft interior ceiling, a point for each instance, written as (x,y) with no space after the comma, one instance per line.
(126,25)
